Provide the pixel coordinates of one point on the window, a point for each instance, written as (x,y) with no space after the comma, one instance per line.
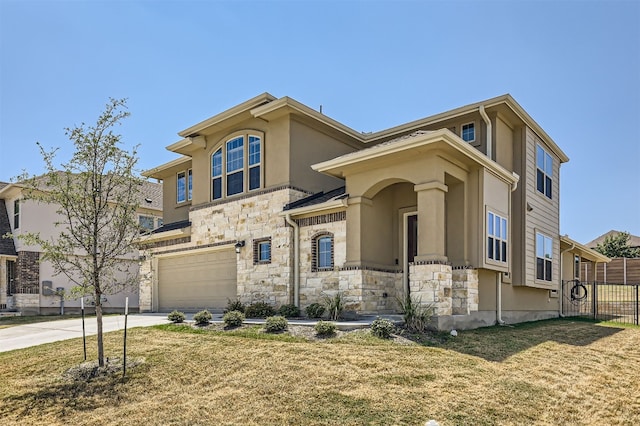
(146,223)
(262,251)
(236,167)
(576,266)
(469,132)
(11,277)
(184,186)
(16,214)
(181,187)
(496,237)
(544,173)
(544,257)
(322,252)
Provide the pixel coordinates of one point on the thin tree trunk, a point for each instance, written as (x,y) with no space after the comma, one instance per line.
(99,320)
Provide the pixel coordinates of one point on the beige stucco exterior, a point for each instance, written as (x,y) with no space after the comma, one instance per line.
(420,177)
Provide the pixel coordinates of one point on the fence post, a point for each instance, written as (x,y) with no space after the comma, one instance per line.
(637,314)
(594,300)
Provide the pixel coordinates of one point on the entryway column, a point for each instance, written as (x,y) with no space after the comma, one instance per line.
(431,221)
(357,206)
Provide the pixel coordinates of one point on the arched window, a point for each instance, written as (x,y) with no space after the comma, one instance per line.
(236,166)
(322,252)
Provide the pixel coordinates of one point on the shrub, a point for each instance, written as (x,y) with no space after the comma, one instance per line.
(335,306)
(416,315)
(382,328)
(314,310)
(259,310)
(233,318)
(202,317)
(234,305)
(176,317)
(275,323)
(325,328)
(289,311)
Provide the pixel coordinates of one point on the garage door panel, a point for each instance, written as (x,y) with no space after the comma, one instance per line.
(197,281)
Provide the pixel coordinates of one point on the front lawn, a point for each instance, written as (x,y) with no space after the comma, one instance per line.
(551,372)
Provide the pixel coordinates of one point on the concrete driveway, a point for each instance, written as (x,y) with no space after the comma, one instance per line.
(24,336)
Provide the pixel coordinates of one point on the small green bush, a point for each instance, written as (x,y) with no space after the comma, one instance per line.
(202,317)
(314,310)
(325,328)
(289,311)
(382,328)
(335,306)
(234,305)
(259,310)
(176,317)
(275,323)
(233,318)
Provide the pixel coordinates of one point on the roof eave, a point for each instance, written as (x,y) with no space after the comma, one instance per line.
(585,251)
(156,171)
(315,208)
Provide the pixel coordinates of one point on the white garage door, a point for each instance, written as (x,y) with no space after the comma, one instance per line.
(197,281)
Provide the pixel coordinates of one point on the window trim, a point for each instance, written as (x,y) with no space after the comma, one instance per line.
(546,269)
(503,240)
(189,184)
(315,252)
(246,168)
(16,214)
(547,189)
(472,123)
(257,244)
(179,192)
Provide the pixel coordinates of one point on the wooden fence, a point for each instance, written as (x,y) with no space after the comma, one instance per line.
(619,271)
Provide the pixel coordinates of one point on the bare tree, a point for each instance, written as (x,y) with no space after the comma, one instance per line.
(96,194)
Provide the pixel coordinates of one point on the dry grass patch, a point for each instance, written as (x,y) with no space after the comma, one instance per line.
(555,372)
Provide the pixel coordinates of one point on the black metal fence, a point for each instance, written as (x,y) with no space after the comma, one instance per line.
(601,301)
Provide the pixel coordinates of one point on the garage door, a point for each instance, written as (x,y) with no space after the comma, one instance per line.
(197,281)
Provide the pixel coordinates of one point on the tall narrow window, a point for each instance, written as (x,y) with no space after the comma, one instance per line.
(254,162)
(496,237)
(11,277)
(189,185)
(544,257)
(235,166)
(544,172)
(181,188)
(216,174)
(469,132)
(325,252)
(16,214)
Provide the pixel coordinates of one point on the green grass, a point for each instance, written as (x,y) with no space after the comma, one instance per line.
(546,373)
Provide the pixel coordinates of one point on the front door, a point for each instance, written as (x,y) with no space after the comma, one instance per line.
(410,245)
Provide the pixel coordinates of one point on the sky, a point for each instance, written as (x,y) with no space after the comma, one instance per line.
(574,66)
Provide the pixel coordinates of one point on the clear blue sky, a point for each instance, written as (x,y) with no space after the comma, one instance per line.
(573,65)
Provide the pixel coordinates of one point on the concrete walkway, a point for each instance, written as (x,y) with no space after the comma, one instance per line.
(24,336)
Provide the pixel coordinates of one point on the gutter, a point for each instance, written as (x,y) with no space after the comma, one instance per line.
(499,319)
(573,246)
(296,259)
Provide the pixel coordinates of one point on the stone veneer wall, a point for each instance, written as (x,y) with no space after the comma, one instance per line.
(465,295)
(27,303)
(432,283)
(248,218)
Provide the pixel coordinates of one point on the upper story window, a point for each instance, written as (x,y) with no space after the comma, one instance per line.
(322,252)
(544,257)
(146,222)
(16,214)
(184,186)
(469,132)
(544,173)
(496,237)
(236,166)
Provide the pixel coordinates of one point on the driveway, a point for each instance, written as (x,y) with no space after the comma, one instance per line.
(24,336)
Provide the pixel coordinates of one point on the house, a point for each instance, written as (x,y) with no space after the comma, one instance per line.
(273,201)
(28,285)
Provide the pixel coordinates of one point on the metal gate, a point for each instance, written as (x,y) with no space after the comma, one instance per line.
(601,301)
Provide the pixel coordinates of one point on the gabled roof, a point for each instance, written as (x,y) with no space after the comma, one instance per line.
(634,241)
(7,247)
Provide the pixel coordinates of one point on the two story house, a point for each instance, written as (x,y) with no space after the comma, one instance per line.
(273,201)
(27,284)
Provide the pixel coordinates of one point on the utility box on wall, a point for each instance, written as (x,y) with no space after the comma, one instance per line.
(47,288)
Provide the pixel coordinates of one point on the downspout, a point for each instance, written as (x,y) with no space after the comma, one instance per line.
(296,259)
(573,245)
(514,186)
(485,117)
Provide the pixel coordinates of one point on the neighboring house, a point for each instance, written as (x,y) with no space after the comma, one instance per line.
(619,270)
(273,201)
(28,285)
